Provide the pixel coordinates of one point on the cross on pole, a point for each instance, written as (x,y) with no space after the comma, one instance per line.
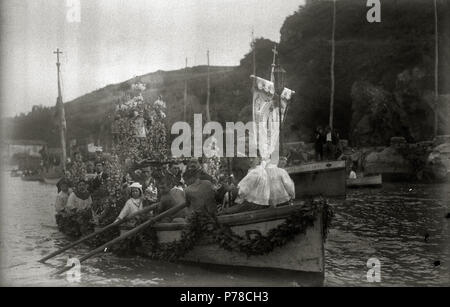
(275,53)
(57,52)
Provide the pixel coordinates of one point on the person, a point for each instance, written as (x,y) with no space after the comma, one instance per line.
(253,191)
(200,193)
(352,174)
(80,199)
(100,177)
(282,187)
(318,143)
(133,204)
(171,198)
(337,146)
(329,143)
(63,195)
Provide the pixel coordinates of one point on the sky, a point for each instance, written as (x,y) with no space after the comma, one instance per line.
(110,41)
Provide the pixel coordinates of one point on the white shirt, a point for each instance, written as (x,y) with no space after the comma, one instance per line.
(131,206)
(352,175)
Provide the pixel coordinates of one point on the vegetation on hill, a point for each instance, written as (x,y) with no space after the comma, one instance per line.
(384,78)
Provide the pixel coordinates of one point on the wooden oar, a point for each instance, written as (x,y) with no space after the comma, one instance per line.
(145,210)
(127,234)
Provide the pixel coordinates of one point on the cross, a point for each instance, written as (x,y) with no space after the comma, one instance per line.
(275,52)
(57,52)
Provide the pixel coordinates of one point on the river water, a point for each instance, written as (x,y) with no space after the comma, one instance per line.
(389,224)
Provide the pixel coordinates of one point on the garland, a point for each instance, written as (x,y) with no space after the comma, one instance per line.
(201,223)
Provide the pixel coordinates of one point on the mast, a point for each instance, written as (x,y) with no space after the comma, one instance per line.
(436,64)
(185,92)
(60,112)
(333,51)
(208,93)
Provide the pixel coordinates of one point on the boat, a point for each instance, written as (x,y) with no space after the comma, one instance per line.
(303,254)
(367,181)
(31,177)
(16,173)
(52,176)
(319,179)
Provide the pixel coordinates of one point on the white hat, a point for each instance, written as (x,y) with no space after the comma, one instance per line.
(136,185)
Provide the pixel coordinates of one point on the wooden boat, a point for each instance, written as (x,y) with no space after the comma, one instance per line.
(32,177)
(52,181)
(305,253)
(368,181)
(52,176)
(319,178)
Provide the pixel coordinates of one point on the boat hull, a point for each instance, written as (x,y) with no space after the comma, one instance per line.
(52,181)
(305,253)
(369,181)
(321,178)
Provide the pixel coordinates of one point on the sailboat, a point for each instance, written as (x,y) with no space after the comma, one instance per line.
(54,173)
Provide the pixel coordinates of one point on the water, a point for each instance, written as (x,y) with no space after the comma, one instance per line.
(388,224)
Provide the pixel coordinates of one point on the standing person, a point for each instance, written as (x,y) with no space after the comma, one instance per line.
(80,199)
(318,143)
(133,204)
(329,143)
(337,147)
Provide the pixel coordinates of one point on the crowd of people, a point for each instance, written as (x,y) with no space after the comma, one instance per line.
(171,185)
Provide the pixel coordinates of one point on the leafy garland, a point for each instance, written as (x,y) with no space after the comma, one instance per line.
(201,223)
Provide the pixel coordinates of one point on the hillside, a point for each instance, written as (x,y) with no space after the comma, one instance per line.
(384,78)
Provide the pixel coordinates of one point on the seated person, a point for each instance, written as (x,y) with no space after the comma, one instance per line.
(63,195)
(352,174)
(80,199)
(253,191)
(133,205)
(171,198)
(200,194)
(282,188)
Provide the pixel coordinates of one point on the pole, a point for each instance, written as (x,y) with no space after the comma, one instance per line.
(436,67)
(208,93)
(145,210)
(60,107)
(185,92)
(332,65)
(128,234)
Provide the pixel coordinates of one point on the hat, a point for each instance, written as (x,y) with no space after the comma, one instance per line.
(136,185)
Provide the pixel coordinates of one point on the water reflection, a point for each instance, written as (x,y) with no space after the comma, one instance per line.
(389,224)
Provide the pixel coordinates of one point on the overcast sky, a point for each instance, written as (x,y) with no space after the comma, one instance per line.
(118,39)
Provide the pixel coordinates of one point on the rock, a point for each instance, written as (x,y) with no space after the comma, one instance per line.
(441,139)
(388,161)
(438,162)
(374,115)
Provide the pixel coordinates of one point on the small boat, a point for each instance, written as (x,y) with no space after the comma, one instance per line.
(31,177)
(16,173)
(368,181)
(305,253)
(319,179)
(52,181)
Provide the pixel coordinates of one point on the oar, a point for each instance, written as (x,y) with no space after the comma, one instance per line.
(145,210)
(127,234)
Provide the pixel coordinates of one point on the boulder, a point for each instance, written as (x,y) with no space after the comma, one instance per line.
(388,161)
(438,162)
